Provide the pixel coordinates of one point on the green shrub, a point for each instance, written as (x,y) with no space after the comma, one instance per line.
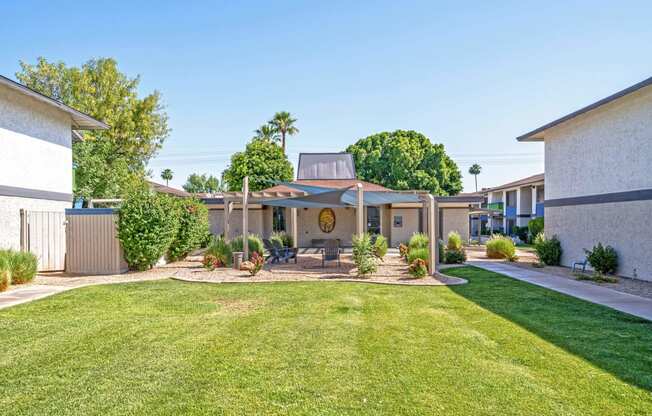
(418,268)
(255,244)
(220,250)
(500,247)
(147,225)
(418,240)
(282,237)
(5,270)
(535,226)
(441,248)
(454,241)
(418,253)
(192,230)
(24,266)
(548,250)
(455,256)
(603,259)
(255,264)
(380,247)
(363,255)
(521,232)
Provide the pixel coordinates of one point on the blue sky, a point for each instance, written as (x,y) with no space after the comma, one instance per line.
(471,75)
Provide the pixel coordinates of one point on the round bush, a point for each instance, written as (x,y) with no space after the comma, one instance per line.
(147,225)
(500,247)
(5,270)
(380,246)
(24,266)
(192,230)
(255,244)
(418,240)
(454,256)
(282,238)
(418,268)
(535,226)
(363,255)
(603,259)
(454,241)
(548,250)
(220,250)
(418,253)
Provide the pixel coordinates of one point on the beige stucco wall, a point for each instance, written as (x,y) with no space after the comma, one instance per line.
(606,150)
(455,219)
(308,226)
(216,221)
(410,225)
(10,216)
(624,225)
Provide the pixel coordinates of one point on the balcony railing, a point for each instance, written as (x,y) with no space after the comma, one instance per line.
(539,210)
(510,212)
(495,205)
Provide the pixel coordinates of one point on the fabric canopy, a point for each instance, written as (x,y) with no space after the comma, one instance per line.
(322,197)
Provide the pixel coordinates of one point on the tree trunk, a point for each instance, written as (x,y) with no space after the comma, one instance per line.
(476,183)
(283,141)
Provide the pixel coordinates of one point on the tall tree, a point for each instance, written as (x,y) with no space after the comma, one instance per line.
(284,124)
(406,160)
(475,170)
(266,132)
(107,160)
(201,183)
(166,175)
(263,161)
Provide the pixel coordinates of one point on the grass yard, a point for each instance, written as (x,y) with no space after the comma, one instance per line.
(493,346)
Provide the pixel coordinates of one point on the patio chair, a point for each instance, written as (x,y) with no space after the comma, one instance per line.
(287,253)
(330,252)
(580,263)
(273,253)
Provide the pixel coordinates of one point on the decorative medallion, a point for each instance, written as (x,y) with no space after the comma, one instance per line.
(327,220)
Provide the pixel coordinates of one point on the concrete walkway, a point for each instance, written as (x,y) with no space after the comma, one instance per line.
(16,296)
(624,302)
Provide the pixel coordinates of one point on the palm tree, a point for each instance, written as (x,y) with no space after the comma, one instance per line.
(284,123)
(475,171)
(266,132)
(166,175)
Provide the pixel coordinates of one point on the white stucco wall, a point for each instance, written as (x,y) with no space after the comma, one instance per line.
(10,216)
(216,222)
(606,150)
(36,144)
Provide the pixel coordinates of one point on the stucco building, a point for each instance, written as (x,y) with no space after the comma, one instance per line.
(36,157)
(598,186)
(396,221)
(517,202)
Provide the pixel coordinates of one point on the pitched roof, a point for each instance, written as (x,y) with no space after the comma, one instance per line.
(80,121)
(157,187)
(326,166)
(525,181)
(328,183)
(537,134)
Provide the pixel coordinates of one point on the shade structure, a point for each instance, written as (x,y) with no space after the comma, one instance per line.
(322,197)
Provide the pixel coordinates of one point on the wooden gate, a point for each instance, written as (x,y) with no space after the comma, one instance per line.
(44,234)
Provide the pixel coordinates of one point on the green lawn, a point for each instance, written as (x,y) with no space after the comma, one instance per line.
(495,346)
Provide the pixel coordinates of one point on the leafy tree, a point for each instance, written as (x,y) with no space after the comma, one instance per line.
(267,132)
(201,183)
(166,175)
(107,160)
(284,123)
(263,161)
(475,171)
(406,160)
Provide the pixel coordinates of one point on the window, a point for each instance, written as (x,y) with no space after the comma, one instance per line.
(373,220)
(278,219)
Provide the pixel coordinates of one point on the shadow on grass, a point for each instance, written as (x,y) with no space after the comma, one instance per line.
(614,341)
